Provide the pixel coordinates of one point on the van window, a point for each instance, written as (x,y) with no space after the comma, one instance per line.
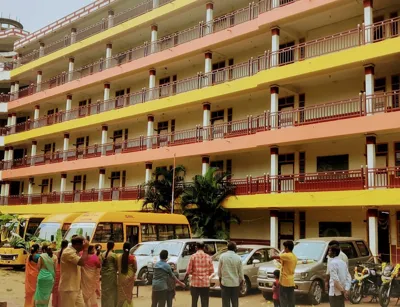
(182,232)
(210,248)
(165,232)
(221,245)
(260,255)
(154,232)
(149,232)
(362,248)
(348,249)
(108,232)
(190,248)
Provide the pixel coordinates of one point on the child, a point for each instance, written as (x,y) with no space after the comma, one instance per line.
(171,286)
(275,289)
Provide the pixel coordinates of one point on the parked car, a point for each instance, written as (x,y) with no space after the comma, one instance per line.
(143,253)
(253,256)
(180,251)
(310,273)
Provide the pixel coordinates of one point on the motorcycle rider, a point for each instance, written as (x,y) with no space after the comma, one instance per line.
(341,256)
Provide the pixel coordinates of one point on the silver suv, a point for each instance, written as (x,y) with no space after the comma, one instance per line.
(310,272)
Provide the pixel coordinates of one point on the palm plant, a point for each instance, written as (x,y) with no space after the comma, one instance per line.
(158,195)
(202,200)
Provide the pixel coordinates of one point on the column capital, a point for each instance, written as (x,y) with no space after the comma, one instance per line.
(66,135)
(152,72)
(13,114)
(274,150)
(208,55)
(104,128)
(9,115)
(12,83)
(274,89)
(210,6)
(16,82)
(109,45)
(39,72)
(369,69)
(205,159)
(150,118)
(41,44)
(71,59)
(370,139)
(275,31)
(149,165)
(372,213)
(102,171)
(73,30)
(206,106)
(110,13)
(34,143)
(273,213)
(31,180)
(69,97)
(6,148)
(37,107)
(368,3)
(154,28)
(107,85)
(63,176)
(10,148)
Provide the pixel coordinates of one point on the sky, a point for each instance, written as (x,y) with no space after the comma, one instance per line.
(36,14)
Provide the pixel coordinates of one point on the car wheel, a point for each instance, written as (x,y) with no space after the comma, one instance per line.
(245,288)
(315,293)
(144,275)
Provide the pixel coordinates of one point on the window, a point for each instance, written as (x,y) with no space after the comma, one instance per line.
(221,246)
(397,154)
(302,104)
(335,229)
(287,56)
(80,141)
(260,255)
(108,232)
(333,163)
(218,165)
(395,87)
(115,179)
(182,232)
(362,248)
(348,249)
(149,232)
(285,102)
(379,30)
(119,93)
(49,148)
(33,224)
(154,232)
(302,217)
(218,65)
(165,80)
(209,248)
(162,126)
(77,182)
(380,85)
(302,162)
(173,125)
(285,159)
(229,168)
(217,115)
(165,232)
(230,116)
(117,135)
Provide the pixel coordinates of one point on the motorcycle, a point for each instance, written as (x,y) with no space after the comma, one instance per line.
(366,282)
(390,284)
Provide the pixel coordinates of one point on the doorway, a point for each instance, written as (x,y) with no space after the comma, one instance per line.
(286,227)
(384,235)
(132,234)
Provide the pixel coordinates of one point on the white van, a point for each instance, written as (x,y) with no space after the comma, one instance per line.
(143,253)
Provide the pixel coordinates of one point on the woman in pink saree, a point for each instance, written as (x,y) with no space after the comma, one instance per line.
(55,302)
(89,278)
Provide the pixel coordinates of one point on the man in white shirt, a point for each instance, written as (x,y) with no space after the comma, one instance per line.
(340,279)
(342,256)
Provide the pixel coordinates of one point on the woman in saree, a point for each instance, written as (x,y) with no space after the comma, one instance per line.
(98,286)
(90,274)
(109,268)
(55,302)
(127,268)
(47,274)
(31,273)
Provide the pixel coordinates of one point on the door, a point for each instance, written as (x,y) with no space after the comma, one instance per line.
(218,75)
(188,250)
(132,234)
(164,86)
(162,132)
(286,53)
(83,110)
(285,172)
(119,99)
(250,269)
(286,227)
(384,235)
(285,108)
(217,123)
(51,116)
(379,101)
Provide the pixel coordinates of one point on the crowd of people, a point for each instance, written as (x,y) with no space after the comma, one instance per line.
(79,274)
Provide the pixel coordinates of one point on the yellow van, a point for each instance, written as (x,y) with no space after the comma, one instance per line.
(28,225)
(133,227)
(47,230)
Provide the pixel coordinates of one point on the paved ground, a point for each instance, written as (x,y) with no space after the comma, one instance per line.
(12,291)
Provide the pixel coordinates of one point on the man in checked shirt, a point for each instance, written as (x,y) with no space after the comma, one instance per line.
(201,268)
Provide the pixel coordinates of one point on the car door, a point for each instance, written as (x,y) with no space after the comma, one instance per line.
(350,250)
(250,269)
(363,251)
(188,250)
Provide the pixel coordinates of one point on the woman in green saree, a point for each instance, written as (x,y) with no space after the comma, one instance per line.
(127,268)
(109,270)
(46,277)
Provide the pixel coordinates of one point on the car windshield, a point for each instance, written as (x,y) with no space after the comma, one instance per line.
(47,231)
(242,252)
(309,250)
(81,229)
(143,249)
(173,248)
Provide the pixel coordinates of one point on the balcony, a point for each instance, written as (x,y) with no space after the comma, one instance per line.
(330,44)
(361,179)
(332,111)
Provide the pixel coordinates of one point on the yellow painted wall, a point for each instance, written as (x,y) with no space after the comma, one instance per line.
(254,225)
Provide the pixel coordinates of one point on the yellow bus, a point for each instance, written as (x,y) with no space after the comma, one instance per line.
(26,228)
(47,230)
(133,227)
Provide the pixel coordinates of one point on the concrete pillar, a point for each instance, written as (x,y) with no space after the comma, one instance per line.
(369,70)
(107,87)
(372,215)
(368,21)
(71,67)
(10,154)
(150,131)
(13,119)
(36,116)
(104,133)
(209,17)
(102,179)
(154,37)
(110,21)
(33,152)
(65,146)
(149,167)
(275,4)
(9,115)
(208,68)
(274,230)
(19,57)
(6,164)
(63,187)
(30,189)
(108,55)
(68,105)
(6,192)
(274,169)
(156,3)
(39,81)
(274,107)
(16,90)
(206,120)
(205,165)
(12,88)
(41,50)
(152,84)
(15,61)
(73,36)
(371,160)
(275,32)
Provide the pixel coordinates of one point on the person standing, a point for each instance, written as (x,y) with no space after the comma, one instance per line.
(109,269)
(162,272)
(201,268)
(286,283)
(127,267)
(98,286)
(342,256)
(47,273)
(90,275)
(275,289)
(231,277)
(31,274)
(172,285)
(55,298)
(69,289)
(340,279)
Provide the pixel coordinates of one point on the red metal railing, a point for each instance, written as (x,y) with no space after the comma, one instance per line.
(4,98)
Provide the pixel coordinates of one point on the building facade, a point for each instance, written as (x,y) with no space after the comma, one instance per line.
(297,99)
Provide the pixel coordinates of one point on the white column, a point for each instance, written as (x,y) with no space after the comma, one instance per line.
(108,55)
(368,21)
(73,36)
(104,133)
(68,103)
(107,87)
(110,21)
(9,119)
(371,160)
(209,18)
(10,154)
(154,37)
(36,115)
(13,119)
(71,67)
(6,192)
(30,189)
(275,32)
(150,131)
(39,81)
(65,146)
(19,56)
(12,88)
(274,230)
(102,178)
(274,169)
(15,61)
(33,152)
(156,3)
(149,167)
(275,4)
(205,165)
(16,90)
(373,231)
(152,84)
(369,71)
(41,50)
(208,68)
(274,107)
(6,158)
(206,120)
(63,186)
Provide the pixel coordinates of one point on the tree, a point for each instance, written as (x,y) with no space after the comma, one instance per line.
(158,195)
(202,200)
